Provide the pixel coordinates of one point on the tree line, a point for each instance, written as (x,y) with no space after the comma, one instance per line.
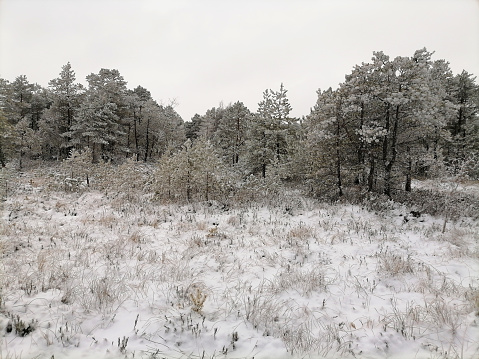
(389,121)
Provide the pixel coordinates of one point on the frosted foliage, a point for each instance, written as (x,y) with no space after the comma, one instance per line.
(370,134)
(196,172)
(112,273)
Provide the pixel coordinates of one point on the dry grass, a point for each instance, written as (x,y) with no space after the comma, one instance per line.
(301,232)
(305,281)
(314,287)
(395,265)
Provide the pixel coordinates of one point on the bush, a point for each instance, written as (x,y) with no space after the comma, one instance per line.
(196,173)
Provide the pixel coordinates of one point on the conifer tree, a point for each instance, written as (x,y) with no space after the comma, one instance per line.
(19,101)
(196,173)
(328,146)
(463,125)
(170,133)
(7,139)
(26,143)
(210,122)
(399,109)
(192,128)
(65,96)
(269,131)
(231,134)
(102,116)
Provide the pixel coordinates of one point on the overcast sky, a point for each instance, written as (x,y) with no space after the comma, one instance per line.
(203,52)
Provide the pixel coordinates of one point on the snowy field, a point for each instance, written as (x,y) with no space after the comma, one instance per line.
(103,274)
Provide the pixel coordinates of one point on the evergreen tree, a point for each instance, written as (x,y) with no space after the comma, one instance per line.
(152,129)
(269,131)
(196,173)
(464,124)
(384,124)
(26,142)
(19,101)
(192,128)
(328,147)
(210,122)
(170,133)
(102,117)
(231,132)
(7,139)
(136,100)
(65,96)
(364,126)
(150,121)
(23,105)
(399,109)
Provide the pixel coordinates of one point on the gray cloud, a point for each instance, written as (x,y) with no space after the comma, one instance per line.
(204,52)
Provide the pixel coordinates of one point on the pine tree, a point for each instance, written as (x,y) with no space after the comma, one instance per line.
(148,127)
(65,96)
(196,173)
(383,125)
(464,124)
(231,133)
(19,103)
(364,126)
(269,131)
(170,133)
(210,121)
(7,139)
(400,108)
(136,100)
(192,128)
(102,123)
(328,147)
(152,129)
(26,142)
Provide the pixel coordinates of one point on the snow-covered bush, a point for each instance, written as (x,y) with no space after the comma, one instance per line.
(196,173)
(285,276)
(4,182)
(77,170)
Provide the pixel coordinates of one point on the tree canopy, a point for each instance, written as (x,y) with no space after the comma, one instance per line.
(389,121)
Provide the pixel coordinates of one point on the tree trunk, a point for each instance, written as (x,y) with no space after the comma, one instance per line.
(407,187)
(237,144)
(207,186)
(2,155)
(392,160)
(69,117)
(360,177)
(188,177)
(371,174)
(408,183)
(263,160)
(338,159)
(135,136)
(277,147)
(188,187)
(95,153)
(147,143)
(128,137)
(386,136)
(152,146)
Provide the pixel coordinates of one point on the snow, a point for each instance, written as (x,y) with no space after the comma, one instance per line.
(104,275)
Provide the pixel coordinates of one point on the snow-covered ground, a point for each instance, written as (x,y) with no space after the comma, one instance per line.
(109,275)
(451,185)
